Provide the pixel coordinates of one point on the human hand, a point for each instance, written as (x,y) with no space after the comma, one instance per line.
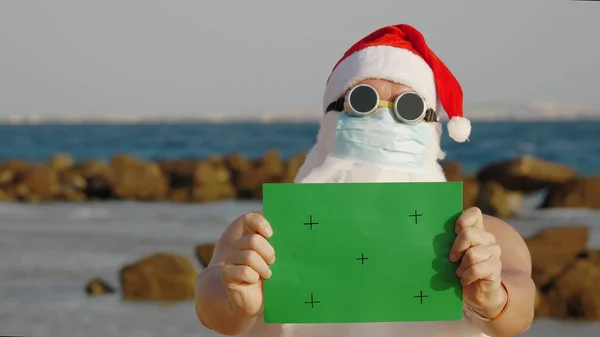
(247,264)
(480,269)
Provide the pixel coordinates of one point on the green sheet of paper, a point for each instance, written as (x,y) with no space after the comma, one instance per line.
(362,252)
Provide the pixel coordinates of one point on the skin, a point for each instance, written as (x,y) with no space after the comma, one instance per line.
(229,293)
(387,90)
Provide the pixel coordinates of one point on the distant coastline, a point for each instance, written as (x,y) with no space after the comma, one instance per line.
(261,120)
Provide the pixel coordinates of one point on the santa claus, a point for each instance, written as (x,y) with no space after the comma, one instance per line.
(382,107)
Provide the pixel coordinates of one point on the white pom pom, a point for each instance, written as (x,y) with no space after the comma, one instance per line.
(459,129)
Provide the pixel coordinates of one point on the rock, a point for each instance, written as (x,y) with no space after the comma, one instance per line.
(593,256)
(494,200)
(133,179)
(553,249)
(7,196)
(452,170)
(471,188)
(269,169)
(180,195)
(42,184)
(580,193)
(61,161)
(213,192)
(179,172)
(97,287)
(16,192)
(72,195)
(98,179)
(12,171)
(272,164)
(159,277)
(542,305)
(6,177)
(207,173)
(212,181)
(292,167)
(92,168)
(575,293)
(527,174)
(238,163)
(72,180)
(204,253)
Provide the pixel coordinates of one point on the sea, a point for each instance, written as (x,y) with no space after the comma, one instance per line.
(49,251)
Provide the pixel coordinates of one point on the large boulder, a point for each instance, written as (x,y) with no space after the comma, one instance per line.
(575,294)
(11,171)
(204,253)
(98,180)
(42,183)
(269,169)
(553,249)
(580,193)
(527,174)
(212,181)
(161,276)
(542,304)
(134,179)
(61,161)
(495,200)
(471,189)
(452,170)
(292,167)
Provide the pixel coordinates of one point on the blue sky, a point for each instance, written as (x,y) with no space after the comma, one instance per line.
(185,57)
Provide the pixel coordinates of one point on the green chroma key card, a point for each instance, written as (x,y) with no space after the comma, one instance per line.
(362,252)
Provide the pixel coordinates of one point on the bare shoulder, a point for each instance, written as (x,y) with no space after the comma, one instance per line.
(231,234)
(515,254)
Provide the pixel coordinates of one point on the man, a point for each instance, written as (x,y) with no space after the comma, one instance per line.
(382,103)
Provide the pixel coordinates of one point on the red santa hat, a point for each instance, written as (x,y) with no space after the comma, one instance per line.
(399,54)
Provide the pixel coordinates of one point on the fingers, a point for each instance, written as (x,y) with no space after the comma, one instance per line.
(467,238)
(258,244)
(476,255)
(251,259)
(240,274)
(471,217)
(488,270)
(256,223)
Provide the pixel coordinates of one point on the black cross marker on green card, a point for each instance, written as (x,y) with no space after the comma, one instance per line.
(364,252)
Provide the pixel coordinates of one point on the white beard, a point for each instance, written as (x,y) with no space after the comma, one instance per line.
(321,167)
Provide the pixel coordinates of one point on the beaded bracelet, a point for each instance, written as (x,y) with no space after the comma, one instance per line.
(501,312)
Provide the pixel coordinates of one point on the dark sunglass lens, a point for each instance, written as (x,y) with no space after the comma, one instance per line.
(363,99)
(410,107)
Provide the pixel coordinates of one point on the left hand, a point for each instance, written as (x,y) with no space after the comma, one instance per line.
(480,269)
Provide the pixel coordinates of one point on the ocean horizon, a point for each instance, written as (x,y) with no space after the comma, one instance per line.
(575,143)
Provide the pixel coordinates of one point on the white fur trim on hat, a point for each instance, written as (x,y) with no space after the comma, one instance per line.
(459,129)
(382,62)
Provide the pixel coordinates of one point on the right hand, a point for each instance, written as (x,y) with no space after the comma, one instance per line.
(247,264)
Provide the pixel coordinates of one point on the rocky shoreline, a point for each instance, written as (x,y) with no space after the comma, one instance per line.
(498,188)
(565,270)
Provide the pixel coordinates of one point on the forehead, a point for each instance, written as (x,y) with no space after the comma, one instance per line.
(386,88)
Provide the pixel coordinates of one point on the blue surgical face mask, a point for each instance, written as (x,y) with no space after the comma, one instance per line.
(383,141)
